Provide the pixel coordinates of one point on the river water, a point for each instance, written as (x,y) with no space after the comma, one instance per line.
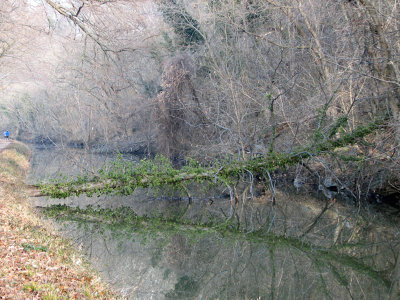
(299,248)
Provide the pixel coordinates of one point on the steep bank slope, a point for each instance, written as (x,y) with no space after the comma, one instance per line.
(34,261)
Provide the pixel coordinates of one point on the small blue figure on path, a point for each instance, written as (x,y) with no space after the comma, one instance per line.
(6,134)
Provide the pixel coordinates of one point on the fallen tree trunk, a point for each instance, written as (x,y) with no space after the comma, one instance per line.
(126,176)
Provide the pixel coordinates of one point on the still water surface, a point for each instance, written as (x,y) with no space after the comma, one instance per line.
(306,250)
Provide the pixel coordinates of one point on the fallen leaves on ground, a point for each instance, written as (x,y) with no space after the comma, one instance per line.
(35,263)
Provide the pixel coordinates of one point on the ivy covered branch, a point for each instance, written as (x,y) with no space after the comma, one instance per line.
(122,177)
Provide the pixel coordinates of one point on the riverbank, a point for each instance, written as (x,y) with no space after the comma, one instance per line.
(35,263)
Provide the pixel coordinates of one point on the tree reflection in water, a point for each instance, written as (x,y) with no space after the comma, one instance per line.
(300,248)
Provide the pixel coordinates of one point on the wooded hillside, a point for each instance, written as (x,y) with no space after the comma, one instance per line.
(209,79)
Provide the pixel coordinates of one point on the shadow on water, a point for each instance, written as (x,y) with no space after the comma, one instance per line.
(155,245)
